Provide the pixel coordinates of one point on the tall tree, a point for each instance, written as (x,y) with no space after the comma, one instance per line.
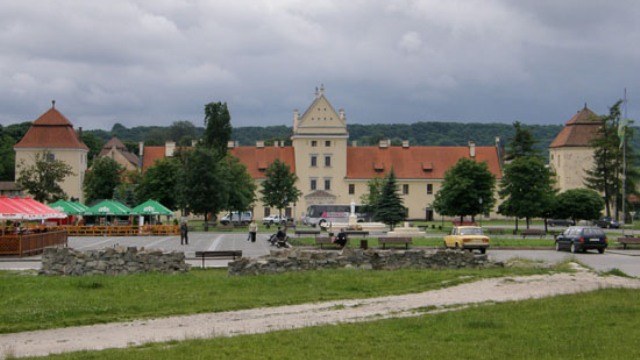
(160,183)
(42,179)
(522,143)
(279,189)
(217,132)
(527,188)
(102,179)
(243,192)
(604,177)
(389,208)
(204,186)
(579,204)
(370,200)
(467,190)
(182,132)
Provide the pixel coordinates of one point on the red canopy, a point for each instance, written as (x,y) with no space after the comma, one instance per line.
(26,209)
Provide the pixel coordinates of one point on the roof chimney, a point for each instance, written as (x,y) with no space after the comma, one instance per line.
(472,149)
(259,144)
(53,104)
(80,132)
(231,144)
(169,148)
(296,118)
(141,148)
(354,143)
(405,144)
(383,144)
(342,114)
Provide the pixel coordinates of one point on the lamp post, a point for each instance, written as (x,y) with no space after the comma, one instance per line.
(481,212)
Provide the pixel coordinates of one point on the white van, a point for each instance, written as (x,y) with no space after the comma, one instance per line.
(235,217)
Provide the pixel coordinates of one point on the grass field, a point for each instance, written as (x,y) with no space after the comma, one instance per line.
(30,302)
(598,325)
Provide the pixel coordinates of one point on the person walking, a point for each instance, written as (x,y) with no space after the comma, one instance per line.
(253,230)
(184,233)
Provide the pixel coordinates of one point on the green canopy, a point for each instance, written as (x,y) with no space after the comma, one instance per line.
(108,207)
(69,207)
(151,207)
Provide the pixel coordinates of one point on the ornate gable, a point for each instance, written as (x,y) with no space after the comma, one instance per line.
(320,118)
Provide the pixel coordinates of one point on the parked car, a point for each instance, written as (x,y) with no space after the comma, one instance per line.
(582,238)
(275,220)
(560,222)
(607,222)
(467,238)
(237,218)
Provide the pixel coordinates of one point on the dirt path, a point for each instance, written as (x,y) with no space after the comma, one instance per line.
(118,335)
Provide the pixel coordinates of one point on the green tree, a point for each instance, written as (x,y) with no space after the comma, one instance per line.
(604,177)
(102,179)
(160,182)
(389,208)
(279,189)
(370,199)
(467,190)
(579,204)
(42,179)
(204,186)
(94,144)
(527,188)
(242,194)
(217,132)
(182,132)
(522,143)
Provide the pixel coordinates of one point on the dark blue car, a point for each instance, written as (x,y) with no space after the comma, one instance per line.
(582,238)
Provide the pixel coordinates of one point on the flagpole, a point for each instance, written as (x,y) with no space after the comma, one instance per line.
(624,163)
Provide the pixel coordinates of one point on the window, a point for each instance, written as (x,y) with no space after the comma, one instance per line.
(405,189)
(314,184)
(314,143)
(314,161)
(327,143)
(267,211)
(327,161)
(327,184)
(429,189)
(352,189)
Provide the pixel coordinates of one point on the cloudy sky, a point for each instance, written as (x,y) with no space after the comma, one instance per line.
(383,61)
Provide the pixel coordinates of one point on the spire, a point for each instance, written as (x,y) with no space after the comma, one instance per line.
(321,89)
(53,104)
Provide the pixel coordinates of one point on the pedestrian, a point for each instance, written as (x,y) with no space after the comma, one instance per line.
(184,233)
(253,230)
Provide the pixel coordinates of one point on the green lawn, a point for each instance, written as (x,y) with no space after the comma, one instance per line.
(599,325)
(30,302)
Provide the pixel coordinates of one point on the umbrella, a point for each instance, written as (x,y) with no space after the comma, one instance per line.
(27,209)
(151,207)
(108,207)
(69,207)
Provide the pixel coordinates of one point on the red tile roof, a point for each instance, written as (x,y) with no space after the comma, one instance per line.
(579,130)
(150,155)
(51,130)
(257,159)
(418,162)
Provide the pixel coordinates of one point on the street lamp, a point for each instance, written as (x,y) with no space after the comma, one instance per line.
(481,212)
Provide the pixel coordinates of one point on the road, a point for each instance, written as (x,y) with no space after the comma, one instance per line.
(627,261)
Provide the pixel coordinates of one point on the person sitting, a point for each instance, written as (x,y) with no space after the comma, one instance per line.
(341,238)
(281,234)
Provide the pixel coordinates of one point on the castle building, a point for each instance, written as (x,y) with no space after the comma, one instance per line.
(52,132)
(570,153)
(332,171)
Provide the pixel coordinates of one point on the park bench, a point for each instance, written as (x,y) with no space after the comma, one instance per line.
(627,240)
(394,240)
(532,232)
(307,232)
(494,231)
(356,233)
(327,240)
(225,254)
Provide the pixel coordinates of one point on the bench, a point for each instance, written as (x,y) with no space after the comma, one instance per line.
(394,240)
(494,231)
(532,232)
(307,232)
(327,240)
(357,232)
(628,241)
(218,254)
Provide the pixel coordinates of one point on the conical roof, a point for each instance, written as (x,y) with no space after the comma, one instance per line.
(51,130)
(579,131)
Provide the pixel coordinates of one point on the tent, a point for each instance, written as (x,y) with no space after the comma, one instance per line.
(26,209)
(69,207)
(151,207)
(108,208)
